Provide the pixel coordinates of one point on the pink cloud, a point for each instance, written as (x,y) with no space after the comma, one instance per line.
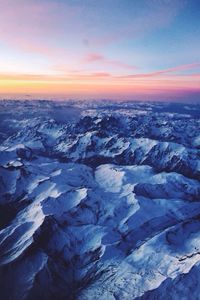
(165,71)
(98,58)
(93,57)
(101,74)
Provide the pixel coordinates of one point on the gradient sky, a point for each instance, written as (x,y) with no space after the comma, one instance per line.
(123,49)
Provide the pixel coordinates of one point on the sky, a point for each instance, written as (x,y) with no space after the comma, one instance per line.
(112,49)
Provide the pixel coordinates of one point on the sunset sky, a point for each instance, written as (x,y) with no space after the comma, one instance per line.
(119,49)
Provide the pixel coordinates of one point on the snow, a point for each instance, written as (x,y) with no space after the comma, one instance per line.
(109,178)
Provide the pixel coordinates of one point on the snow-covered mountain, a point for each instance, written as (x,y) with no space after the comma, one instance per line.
(99,200)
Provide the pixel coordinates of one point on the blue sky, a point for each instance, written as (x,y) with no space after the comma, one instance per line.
(108,48)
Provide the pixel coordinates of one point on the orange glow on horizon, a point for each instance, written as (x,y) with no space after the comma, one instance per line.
(99,84)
